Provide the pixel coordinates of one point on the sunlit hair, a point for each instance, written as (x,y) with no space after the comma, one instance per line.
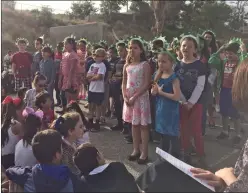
(129,59)
(159,71)
(239,88)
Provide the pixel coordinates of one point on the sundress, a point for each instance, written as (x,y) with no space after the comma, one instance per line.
(66,62)
(139,113)
(167,110)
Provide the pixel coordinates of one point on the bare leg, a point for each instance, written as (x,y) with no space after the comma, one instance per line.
(136,139)
(145,140)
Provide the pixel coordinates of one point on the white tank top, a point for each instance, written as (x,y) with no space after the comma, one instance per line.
(9,148)
(24,155)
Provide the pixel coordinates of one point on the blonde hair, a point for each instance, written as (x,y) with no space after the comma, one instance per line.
(239,88)
(100,52)
(159,72)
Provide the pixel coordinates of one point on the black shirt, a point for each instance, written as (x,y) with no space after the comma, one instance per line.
(115,178)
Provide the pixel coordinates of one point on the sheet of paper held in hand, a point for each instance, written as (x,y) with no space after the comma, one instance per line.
(181,166)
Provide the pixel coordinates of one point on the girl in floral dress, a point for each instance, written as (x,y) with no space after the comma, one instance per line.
(136,110)
(69,68)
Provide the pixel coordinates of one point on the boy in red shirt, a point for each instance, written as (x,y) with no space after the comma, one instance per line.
(21,65)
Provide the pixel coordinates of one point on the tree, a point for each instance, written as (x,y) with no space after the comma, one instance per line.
(106,7)
(9,4)
(82,9)
(239,14)
(140,6)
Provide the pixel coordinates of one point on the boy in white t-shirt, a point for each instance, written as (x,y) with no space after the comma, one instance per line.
(96,76)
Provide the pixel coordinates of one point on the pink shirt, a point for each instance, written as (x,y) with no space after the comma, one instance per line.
(66,62)
(82,55)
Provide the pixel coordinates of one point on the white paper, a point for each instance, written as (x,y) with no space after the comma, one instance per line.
(184,167)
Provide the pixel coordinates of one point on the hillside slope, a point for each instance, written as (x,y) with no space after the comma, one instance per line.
(24,24)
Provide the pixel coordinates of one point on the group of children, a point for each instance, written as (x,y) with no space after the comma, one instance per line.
(172,91)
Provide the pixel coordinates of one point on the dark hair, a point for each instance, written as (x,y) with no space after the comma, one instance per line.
(82,41)
(219,44)
(38,77)
(8,113)
(21,41)
(21,92)
(113,49)
(47,49)
(9,51)
(97,46)
(31,126)
(39,40)
(142,55)
(60,45)
(85,158)
(41,98)
(73,106)
(233,47)
(204,51)
(160,43)
(66,122)
(121,44)
(72,41)
(45,145)
(212,44)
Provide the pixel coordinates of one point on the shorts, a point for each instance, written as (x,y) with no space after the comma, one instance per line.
(226,106)
(96,97)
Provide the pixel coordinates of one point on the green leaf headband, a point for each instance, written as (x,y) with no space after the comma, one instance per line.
(49,45)
(164,51)
(235,40)
(103,42)
(22,39)
(121,42)
(190,36)
(71,36)
(209,31)
(161,38)
(175,43)
(83,39)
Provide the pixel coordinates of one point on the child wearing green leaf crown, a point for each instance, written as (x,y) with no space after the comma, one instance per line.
(226,69)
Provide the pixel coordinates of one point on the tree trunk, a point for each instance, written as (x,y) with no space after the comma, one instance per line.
(159,8)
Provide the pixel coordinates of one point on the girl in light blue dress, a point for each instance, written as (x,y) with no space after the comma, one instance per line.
(166,90)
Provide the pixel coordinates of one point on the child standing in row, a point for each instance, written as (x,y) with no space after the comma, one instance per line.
(96,76)
(167,91)
(21,65)
(192,75)
(136,109)
(47,68)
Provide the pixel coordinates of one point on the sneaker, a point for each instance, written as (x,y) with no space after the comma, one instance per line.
(222,135)
(116,128)
(129,140)
(236,140)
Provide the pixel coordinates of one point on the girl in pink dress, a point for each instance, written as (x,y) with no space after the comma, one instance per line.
(136,109)
(69,70)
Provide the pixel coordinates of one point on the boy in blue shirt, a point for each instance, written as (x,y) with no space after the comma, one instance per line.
(48,175)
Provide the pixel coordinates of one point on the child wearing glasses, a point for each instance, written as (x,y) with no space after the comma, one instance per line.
(95,76)
(39,85)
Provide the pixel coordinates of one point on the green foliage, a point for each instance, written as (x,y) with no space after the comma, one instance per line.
(106,6)
(140,6)
(82,9)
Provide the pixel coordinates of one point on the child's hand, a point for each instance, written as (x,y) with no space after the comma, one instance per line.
(188,105)
(131,101)
(154,90)
(160,89)
(227,175)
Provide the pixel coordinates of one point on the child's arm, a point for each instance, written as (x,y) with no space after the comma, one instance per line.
(147,81)
(196,94)
(73,64)
(53,73)
(124,83)
(176,91)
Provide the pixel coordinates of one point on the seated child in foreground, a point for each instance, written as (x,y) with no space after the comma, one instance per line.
(49,175)
(101,176)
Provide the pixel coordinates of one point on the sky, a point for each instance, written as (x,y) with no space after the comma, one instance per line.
(57,6)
